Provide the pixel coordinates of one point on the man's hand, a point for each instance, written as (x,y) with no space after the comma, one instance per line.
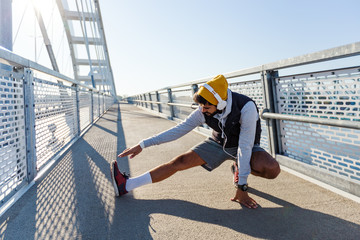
(243,198)
(131,151)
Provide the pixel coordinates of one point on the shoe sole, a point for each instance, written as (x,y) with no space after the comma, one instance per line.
(233,172)
(116,190)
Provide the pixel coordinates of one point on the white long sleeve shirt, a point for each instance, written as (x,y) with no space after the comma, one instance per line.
(248,119)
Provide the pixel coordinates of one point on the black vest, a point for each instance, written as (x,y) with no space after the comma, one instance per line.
(232,124)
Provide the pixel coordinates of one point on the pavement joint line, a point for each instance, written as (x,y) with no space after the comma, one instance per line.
(323,185)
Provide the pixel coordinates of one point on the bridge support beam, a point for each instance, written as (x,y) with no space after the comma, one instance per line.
(6,28)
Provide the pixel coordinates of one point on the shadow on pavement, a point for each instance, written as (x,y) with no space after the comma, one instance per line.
(76,197)
(285,222)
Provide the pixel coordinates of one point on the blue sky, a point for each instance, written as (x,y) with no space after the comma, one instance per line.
(158,43)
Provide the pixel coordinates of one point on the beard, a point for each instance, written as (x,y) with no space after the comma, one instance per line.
(213,114)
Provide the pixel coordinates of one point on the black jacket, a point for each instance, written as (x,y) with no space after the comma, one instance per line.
(232,124)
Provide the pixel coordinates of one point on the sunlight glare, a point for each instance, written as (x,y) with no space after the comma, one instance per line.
(43,6)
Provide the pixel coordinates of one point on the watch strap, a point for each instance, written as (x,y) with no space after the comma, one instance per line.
(243,187)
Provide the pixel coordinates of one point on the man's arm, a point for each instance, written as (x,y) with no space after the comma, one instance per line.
(248,119)
(195,119)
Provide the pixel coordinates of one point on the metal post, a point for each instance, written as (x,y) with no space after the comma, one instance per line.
(172,112)
(99,100)
(158,100)
(144,96)
(104,107)
(276,110)
(100,104)
(151,105)
(268,78)
(194,88)
(77,109)
(92,106)
(30,124)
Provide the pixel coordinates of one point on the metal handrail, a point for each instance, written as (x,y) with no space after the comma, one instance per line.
(268,115)
(348,50)
(148,101)
(193,106)
(322,121)
(9,58)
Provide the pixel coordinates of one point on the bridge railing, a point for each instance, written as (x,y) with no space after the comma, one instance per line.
(310,121)
(42,114)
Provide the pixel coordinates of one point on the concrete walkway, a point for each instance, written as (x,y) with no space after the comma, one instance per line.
(76,200)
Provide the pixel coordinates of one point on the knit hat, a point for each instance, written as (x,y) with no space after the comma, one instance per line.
(219,84)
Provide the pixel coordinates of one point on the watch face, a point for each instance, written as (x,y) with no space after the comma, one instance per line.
(243,187)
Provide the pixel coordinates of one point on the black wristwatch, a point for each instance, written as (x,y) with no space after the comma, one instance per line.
(243,187)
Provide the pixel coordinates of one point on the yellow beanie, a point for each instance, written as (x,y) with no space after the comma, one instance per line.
(219,84)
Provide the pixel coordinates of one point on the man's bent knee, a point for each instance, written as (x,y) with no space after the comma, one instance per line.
(264,165)
(274,170)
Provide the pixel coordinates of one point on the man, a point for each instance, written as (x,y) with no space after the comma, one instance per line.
(236,128)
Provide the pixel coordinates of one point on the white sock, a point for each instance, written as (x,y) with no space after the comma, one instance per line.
(139,181)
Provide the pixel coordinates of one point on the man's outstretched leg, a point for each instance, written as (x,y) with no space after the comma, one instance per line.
(123,184)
